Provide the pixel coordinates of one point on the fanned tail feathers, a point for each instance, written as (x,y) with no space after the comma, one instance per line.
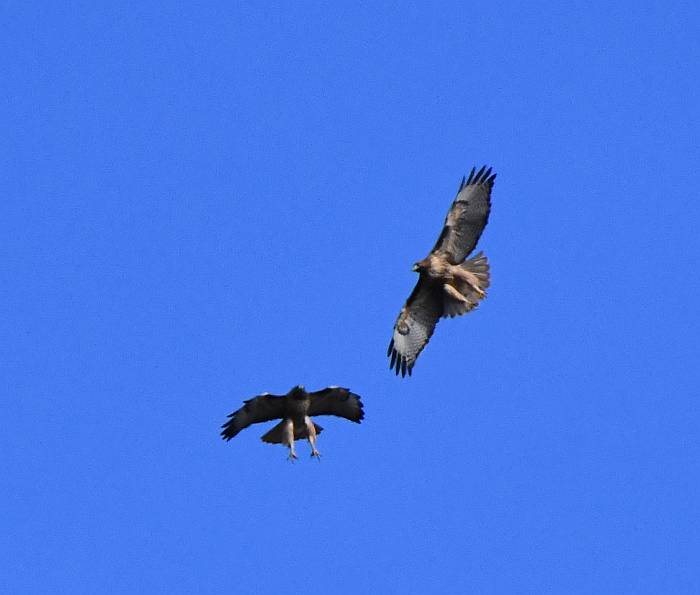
(278,434)
(465,298)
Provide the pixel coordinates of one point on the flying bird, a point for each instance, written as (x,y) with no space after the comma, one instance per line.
(447,285)
(295,409)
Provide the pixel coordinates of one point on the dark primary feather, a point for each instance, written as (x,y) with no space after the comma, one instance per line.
(262,408)
(414,326)
(336,400)
(467,216)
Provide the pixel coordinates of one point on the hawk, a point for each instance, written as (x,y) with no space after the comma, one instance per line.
(447,285)
(295,409)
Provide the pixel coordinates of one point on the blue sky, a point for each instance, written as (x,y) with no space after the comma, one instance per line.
(204,203)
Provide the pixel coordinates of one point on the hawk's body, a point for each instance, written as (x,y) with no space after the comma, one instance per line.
(295,409)
(448,285)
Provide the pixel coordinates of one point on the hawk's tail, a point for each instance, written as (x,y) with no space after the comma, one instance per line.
(278,434)
(478,273)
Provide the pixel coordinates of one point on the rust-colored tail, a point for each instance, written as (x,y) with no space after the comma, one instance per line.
(468,297)
(278,434)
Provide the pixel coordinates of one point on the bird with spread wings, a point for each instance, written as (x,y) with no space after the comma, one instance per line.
(448,285)
(295,409)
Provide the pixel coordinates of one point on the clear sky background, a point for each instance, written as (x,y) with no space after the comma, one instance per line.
(203,203)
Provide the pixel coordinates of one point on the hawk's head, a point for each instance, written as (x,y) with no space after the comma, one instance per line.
(420,266)
(297,392)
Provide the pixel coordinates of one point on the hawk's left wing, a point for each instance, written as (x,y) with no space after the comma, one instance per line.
(415,326)
(467,216)
(336,400)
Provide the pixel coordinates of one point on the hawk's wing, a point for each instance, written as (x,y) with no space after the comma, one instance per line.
(467,216)
(336,400)
(414,326)
(258,409)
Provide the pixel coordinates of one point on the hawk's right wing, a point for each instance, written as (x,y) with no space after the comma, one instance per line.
(415,326)
(264,407)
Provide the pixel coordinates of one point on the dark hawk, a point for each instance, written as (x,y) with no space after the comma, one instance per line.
(295,409)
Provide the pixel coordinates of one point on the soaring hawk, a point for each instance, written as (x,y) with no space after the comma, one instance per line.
(447,286)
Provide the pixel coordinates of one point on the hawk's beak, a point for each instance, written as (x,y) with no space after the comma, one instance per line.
(415,268)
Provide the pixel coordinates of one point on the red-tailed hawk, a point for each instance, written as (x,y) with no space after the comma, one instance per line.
(447,286)
(295,409)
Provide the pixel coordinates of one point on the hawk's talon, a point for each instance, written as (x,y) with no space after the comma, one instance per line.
(315,453)
(292,457)
(480,292)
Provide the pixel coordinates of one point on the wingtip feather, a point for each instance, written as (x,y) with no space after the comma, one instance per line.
(482,177)
(471,176)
